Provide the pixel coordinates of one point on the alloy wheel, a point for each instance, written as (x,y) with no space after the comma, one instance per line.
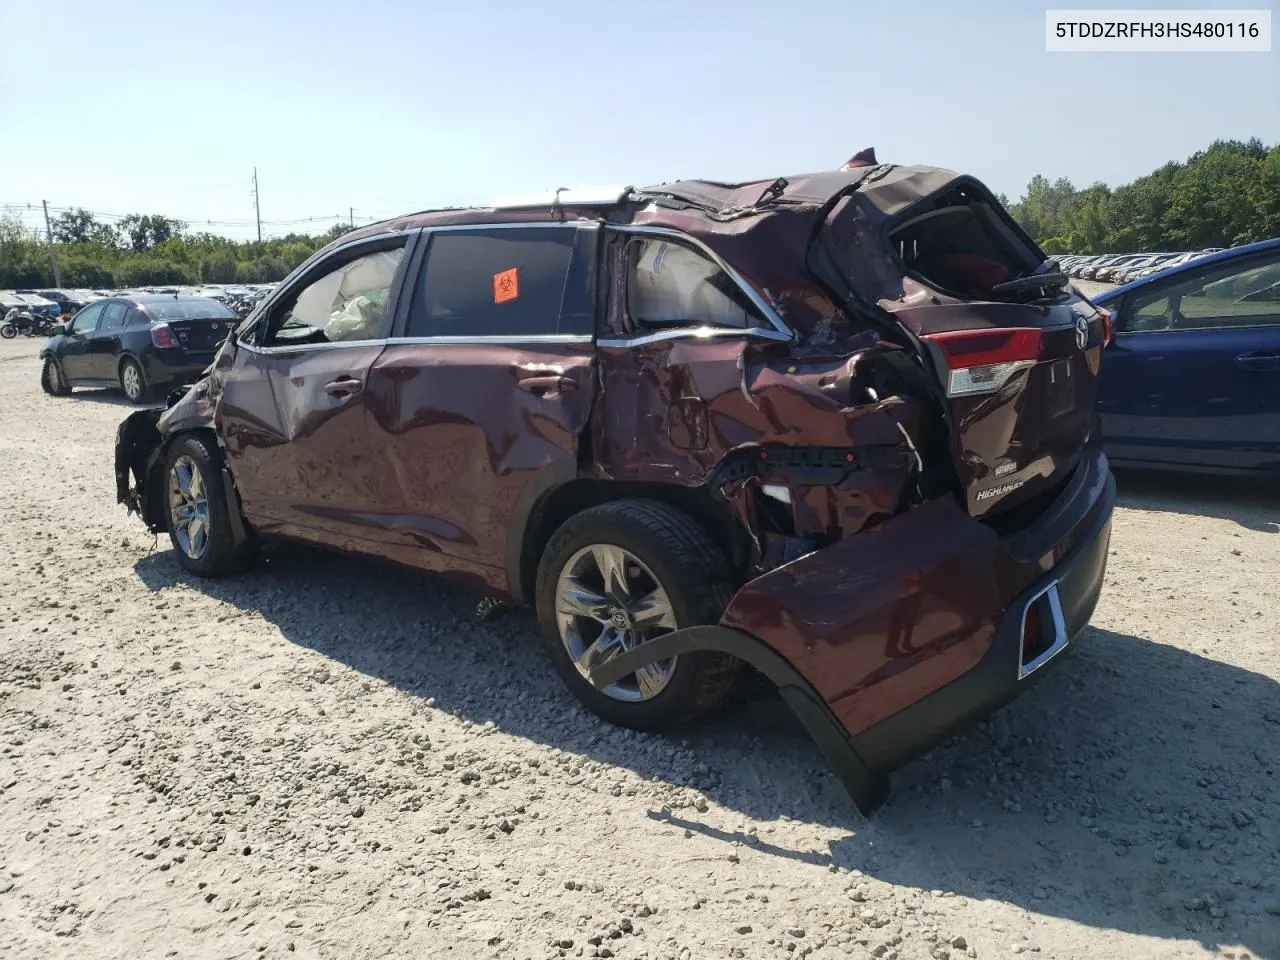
(608,601)
(131,380)
(188,507)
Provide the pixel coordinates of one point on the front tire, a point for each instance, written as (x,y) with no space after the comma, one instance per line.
(195,500)
(52,379)
(8,331)
(134,382)
(622,572)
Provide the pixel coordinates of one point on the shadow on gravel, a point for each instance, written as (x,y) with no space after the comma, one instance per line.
(92,395)
(1135,773)
(1251,502)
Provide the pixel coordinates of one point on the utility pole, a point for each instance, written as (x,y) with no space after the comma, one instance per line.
(53,256)
(257,210)
(351,216)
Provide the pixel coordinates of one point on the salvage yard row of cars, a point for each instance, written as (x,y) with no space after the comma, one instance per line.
(1121,268)
(61,301)
(841,427)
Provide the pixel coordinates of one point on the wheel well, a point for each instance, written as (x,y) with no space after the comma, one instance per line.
(559,504)
(123,358)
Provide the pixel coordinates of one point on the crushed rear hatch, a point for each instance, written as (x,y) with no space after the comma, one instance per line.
(1016,351)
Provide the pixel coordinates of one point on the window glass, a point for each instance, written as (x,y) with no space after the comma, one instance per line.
(195,308)
(671,285)
(113,316)
(510,282)
(87,319)
(348,303)
(1239,294)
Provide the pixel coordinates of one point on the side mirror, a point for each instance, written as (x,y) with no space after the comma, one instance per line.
(59,330)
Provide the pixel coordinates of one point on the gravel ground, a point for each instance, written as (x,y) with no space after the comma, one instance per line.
(333,758)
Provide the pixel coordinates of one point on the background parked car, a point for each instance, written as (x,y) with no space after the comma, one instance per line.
(139,343)
(1191,379)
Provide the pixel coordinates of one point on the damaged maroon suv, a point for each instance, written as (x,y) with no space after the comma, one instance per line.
(839,427)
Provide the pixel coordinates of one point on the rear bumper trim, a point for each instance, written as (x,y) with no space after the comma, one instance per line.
(1060,638)
(1074,586)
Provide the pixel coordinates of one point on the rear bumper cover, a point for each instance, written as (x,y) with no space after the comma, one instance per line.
(175,365)
(882,662)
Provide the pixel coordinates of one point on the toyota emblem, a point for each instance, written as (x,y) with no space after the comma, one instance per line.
(1082,332)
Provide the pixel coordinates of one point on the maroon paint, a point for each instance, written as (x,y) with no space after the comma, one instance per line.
(877,621)
(429,463)
(299,450)
(460,429)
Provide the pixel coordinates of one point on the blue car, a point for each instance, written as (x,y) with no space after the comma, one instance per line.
(1191,379)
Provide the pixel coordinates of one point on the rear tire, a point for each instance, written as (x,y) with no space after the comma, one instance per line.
(669,555)
(8,331)
(52,379)
(196,509)
(134,382)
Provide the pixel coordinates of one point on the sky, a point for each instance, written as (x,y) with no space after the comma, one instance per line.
(390,106)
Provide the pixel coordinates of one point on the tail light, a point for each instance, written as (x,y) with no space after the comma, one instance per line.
(1105,317)
(162,336)
(983,361)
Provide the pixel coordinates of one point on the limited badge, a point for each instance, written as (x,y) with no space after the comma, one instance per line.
(506,286)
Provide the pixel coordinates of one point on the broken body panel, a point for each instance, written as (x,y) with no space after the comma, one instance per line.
(886,528)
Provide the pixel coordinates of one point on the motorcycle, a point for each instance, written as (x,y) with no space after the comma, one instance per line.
(27,324)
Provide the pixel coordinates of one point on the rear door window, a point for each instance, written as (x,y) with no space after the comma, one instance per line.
(113,317)
(508,282)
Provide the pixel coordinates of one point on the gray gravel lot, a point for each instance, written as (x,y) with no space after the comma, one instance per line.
(333,758)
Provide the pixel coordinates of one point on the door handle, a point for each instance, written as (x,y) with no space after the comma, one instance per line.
(1259,360)
(542,386)
(343,387)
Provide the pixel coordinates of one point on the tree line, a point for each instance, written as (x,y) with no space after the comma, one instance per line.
(1223,196)
(141,250)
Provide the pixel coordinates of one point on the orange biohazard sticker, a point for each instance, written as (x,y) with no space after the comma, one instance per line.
(506,286)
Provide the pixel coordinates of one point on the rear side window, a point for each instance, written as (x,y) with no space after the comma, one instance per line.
(964,244)
(506,282)
(113,316)
(673,285)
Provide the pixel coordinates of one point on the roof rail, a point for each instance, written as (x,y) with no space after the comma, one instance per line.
(566,197)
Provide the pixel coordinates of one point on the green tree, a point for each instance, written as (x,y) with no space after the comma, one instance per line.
(80,226)
(147,231)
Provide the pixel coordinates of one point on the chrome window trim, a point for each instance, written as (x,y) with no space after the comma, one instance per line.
(780,329)
(694,333)
(497,339)
(308,347)
(526,224)
(550,338)
(1059,631)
